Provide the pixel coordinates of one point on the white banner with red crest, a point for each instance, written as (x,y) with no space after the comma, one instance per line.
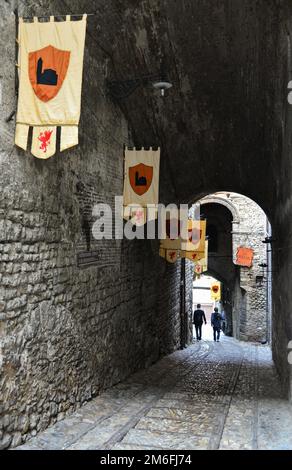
(50,78)
(141,177)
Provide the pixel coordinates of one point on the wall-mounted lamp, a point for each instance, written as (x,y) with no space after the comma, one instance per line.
(121,89)
(162,86)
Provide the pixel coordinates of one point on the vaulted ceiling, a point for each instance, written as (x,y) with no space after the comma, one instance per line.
(220,126)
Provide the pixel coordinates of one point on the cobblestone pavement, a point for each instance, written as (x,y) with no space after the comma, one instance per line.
(210,396)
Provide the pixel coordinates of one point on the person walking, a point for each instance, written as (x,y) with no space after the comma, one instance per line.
(198,319)
(216,320)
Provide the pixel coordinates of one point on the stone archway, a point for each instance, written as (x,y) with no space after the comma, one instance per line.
(240,222)
(224,202)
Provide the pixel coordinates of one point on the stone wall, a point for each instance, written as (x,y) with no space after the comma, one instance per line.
(250,231)
(282,214)
(68,330)
(189,299)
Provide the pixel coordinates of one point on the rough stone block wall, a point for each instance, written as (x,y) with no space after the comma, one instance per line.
(66,330)
(282,206)
(249,232)
(189,297)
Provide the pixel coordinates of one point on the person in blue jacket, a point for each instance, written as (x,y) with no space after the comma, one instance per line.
(216,320)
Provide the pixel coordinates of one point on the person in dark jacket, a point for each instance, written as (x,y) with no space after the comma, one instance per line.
(216,320)
(198,318)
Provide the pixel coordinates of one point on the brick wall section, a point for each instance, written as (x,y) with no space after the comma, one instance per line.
(68,332)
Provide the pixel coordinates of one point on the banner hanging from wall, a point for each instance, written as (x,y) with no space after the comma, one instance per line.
(244,257)
(198,270)
(204,261)
(196,237)
(169,255)
(173,246)
(194,247)
(201,265)
(141,183)
(172,240)
(50,79)
(216,291)
(194,256)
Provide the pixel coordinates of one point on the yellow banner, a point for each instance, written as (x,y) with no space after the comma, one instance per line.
(194,256)
(196,236)
(216,291)
(194,247)
(169,255)
(201,265)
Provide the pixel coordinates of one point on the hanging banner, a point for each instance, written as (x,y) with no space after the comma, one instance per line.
(204,261)
(137,215)
(50,78)
(201,265)
(196,236)
(169,255)
(141,177)
(172,233)
(200,257)
(198,269)
(216,291)
(194,247)
(172,256)
(194,256)
(244,257)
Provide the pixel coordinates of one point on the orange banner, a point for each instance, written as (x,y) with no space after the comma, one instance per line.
(244,257)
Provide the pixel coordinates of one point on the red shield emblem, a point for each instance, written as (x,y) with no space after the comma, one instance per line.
(140,178)
(215,289)
(47,69)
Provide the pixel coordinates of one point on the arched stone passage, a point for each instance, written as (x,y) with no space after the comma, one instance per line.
(224,202)
(239,221)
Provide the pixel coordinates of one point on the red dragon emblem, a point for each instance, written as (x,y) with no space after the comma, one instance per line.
(44,138)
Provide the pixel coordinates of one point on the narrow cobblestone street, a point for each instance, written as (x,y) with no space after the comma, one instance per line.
(210,396)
